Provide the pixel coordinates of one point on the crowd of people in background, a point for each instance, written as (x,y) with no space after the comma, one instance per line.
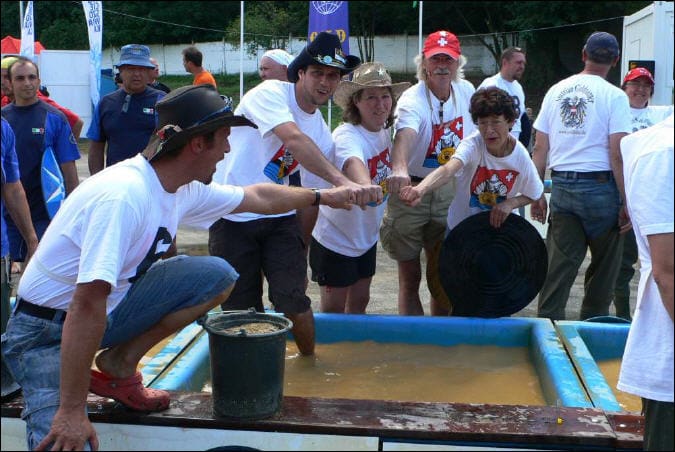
(405,167)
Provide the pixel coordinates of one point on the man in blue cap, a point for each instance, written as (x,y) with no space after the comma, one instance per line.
(581,122)
(125,119)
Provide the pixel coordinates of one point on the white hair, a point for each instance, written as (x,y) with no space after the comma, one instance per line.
(422,73)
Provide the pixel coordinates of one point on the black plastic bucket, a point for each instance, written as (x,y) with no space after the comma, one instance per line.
(247,353)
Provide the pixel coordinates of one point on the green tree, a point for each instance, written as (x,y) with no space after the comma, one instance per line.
(262,25)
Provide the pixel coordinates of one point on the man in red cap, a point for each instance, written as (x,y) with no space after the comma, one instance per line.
(638,84)
(432,118)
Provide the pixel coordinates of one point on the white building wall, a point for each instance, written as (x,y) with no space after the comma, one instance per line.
(395,52)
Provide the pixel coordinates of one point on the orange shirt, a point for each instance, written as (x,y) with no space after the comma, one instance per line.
(203,78)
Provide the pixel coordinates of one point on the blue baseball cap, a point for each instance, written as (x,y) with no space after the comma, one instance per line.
(135,55)
(602,44)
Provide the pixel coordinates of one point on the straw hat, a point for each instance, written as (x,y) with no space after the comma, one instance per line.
(368,75)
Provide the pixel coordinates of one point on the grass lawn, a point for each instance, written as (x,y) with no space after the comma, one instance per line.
(229,85)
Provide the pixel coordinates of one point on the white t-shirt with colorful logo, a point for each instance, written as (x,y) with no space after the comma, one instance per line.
(486,180)
(438,134)
(353,232)
(259,155)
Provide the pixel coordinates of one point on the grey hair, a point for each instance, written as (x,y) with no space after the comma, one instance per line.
(422,74)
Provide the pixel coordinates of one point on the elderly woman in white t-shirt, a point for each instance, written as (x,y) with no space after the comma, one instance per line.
(494,170)
(343,251)
(638,84)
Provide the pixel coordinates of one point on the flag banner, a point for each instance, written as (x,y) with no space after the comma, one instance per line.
(93,13)
(332,17)
(28,33)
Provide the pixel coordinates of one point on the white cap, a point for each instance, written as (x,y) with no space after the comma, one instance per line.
(280,56)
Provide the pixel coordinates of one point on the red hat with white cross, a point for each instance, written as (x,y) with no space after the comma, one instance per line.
(442,42)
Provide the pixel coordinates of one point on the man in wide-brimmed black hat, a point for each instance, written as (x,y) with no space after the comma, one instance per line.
(291,135)
(97,282)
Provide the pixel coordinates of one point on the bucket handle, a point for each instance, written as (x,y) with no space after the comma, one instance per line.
(202,320)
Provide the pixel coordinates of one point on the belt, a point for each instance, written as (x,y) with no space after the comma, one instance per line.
(41,312)
(579,175)
(416,179)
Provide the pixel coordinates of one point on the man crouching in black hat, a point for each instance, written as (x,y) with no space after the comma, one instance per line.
(97,282)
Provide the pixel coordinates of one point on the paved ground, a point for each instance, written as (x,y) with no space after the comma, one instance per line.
(384,288)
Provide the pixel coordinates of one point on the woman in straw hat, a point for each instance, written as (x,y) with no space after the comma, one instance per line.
(344,244)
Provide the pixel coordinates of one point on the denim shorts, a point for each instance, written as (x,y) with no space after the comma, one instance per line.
(31,346)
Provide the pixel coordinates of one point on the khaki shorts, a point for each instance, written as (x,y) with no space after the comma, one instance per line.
(405,231)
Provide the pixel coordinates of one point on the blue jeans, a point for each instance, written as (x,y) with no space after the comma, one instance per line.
(583,214)
(31,347)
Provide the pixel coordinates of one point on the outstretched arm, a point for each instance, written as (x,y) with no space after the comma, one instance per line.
(274,198)
(440,176)
(309,155)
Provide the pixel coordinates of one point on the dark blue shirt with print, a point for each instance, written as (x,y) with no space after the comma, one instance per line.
(37,127)
(125,121)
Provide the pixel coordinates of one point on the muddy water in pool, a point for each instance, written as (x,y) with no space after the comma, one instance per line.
(610,370)
(420,373)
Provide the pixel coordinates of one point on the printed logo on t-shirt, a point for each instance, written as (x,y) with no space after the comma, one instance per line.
(149,111)
(38,131)
(444,140)
(160,245)
(281,165)
(379,167)
(489,187)
(641,123)
(573,103)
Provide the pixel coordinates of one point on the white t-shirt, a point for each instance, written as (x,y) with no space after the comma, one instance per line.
(641,118)
(353,232)
(515,90)
(647,365)
(419,109)
(258,155)
(578,114)
(486,180)
(112,227)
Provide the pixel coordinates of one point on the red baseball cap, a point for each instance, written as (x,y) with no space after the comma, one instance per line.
(442,42)
(637,73)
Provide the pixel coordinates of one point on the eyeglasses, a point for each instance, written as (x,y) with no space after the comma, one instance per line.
(492,123)
(127,101)
(639,85)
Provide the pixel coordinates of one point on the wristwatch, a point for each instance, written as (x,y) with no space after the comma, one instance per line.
(317,194)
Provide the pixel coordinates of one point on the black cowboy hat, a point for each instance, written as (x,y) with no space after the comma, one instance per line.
(492,272)
(325,50)
(189,111)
